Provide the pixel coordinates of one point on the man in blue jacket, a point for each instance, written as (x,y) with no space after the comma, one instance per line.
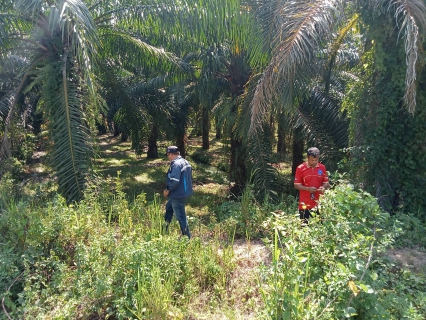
(178,188)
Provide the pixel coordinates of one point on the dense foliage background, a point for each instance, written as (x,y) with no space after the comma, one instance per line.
(92,91)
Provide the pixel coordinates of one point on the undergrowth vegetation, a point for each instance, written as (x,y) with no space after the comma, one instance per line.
(108,258)
(336,268)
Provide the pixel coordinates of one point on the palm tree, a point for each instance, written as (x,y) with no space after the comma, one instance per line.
(298,32)
(69,47)
(225,31)
(299,35)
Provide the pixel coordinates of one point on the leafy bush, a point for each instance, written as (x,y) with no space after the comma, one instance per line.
(411,231)
(242,218)
(8,189)
(331,269)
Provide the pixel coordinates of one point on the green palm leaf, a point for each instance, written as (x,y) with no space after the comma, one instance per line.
(324,125)
(72,150)
(302,28)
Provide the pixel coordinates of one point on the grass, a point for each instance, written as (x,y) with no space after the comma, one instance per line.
(111,252)
(148,175)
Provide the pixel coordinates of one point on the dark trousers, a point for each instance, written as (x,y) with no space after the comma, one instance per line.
(177,207)
(306,214)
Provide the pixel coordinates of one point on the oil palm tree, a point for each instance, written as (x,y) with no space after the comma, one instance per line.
(227,29)
(70,47)
(299,32)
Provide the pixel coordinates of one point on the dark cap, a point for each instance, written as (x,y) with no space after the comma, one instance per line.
(172,149)
(313,152)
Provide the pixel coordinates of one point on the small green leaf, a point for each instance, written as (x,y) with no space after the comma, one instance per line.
(341,267)
(366,288)
(287,315)
(349,312)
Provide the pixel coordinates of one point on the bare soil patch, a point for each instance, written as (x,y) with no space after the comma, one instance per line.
(413,259)
(242,298)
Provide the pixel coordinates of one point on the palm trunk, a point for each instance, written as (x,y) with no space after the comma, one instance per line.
(218,133)
(181,130)
(124,137)
(206,128)
(239,73)
(272,130)
(298,147)
(152,143)
(281,144)
(181,142)
(116,130)
(238,169)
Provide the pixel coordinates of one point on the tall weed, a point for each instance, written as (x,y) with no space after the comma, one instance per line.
(104,257)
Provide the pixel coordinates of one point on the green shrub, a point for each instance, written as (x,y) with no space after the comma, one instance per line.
(317,270)
(14,166)
(410,230)
(8,189)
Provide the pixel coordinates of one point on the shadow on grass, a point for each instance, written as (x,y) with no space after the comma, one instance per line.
(149,175)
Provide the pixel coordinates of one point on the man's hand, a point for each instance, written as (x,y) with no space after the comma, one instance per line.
(321,190)
(311,189)
(166,192)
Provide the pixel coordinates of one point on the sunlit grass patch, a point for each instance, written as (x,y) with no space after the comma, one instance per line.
(143,178)
(116,162)
(40,168)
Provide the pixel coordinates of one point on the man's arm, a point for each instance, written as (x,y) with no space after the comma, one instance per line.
(174,177)
(325,185)
(299,186)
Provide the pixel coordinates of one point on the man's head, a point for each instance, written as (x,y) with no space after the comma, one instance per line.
(313,157)
(172,152)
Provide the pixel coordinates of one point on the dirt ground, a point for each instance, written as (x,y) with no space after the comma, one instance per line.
(243,296)
(413,259)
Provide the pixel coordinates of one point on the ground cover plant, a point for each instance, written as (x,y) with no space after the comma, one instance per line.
(107,257)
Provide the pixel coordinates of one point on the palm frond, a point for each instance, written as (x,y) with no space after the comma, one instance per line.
(264,177)
(72,148)
(335,49)
(131,51)
(6,21)
(223,113)
(188,25)
(410,16)
(304,25)
(323,124)
(78,33)
(6,103)
(268,17)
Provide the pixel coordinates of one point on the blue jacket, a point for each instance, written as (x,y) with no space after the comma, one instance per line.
(179,178)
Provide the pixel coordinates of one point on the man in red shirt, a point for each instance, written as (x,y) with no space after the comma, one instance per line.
(311,180)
